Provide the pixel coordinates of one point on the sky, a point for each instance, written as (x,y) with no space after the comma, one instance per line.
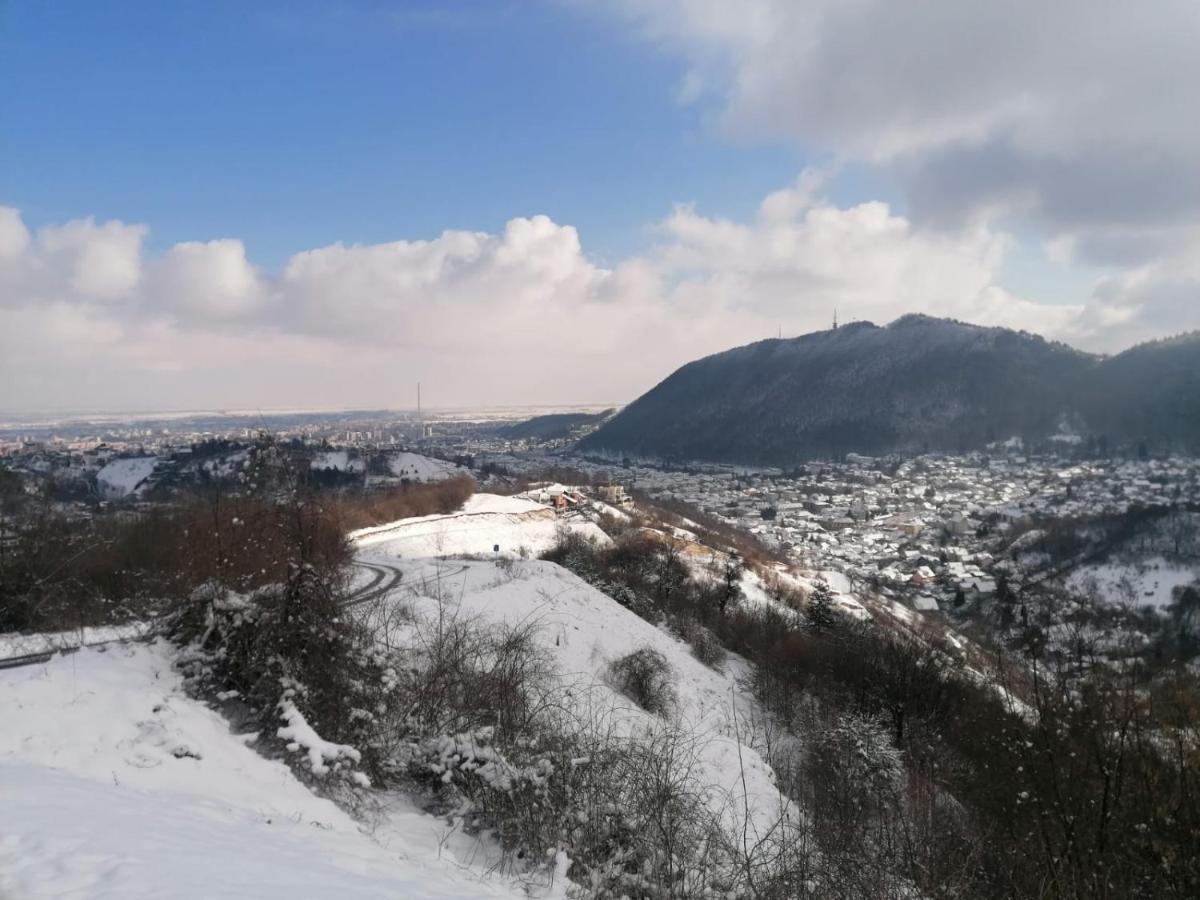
(315,205)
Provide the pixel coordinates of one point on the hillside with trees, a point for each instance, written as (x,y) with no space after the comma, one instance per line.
(919,384)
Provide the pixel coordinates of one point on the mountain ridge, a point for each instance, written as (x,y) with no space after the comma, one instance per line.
(917,384)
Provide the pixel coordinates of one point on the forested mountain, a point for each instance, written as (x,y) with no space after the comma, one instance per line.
(1149,393)
(554,425)
(917,384)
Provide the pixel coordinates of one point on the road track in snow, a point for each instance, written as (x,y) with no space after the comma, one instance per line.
(385,578)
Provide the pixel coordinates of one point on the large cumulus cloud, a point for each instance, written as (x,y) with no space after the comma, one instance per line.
(1082,113)
(1072,122)
(89,319)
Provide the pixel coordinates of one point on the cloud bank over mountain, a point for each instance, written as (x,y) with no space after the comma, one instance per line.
(88,314)
(1063,122)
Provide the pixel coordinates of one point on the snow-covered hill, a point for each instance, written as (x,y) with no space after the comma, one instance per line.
(584,631)
(486,522)
(116,784)
(123,477)
(416,467)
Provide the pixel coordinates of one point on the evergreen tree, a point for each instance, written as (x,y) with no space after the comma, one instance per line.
(819,611)
(731,583)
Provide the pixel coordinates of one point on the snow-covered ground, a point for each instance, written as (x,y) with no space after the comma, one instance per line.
(227,465)
(584,630)
(487,521)
(123,477)
(115,784)
(52,642)
(416,467)
(1148,582)
(338,460)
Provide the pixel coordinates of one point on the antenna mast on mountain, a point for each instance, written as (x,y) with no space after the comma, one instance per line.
(835,318)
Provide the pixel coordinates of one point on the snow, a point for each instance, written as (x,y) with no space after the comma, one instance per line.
(837,581)
(338,460)
(320,752)
(754,592)
(517,526)
(12,645)
(416,467)
(925,603)
(123,477)
(497,503)
(606,509)
(1148,582)
(117,785)
(585,630)
(226,466)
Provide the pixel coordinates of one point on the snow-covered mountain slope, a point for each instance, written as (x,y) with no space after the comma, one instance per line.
(123,477)
(584,630)
(116,784)
(485,522)
(416,467)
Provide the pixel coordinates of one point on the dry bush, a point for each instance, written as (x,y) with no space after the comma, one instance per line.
(645,677)
(661,511)
(66,573)
(462,675)
(362,511)
(705,645)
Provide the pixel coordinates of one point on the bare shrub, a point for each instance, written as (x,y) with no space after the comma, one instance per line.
(645,677)
(361,511)
(506,566)
(705,645)
(461,676)
(65,573)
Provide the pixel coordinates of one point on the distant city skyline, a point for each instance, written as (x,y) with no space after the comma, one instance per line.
(314,206)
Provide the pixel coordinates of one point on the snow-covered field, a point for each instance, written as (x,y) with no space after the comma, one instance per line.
(12,645)
(337,460)
(1146,583)
(115,784)
(485,522)
(123,477)
(416,467)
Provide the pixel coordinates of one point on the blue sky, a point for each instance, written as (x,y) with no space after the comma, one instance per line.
(601,189)
(293,125)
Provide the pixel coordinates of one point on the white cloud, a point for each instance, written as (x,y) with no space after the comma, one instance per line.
(207,280)
(14,237)
(462,288)
(97,262)
(87,319)
(1152,300)
(1070,118)
(864,261)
